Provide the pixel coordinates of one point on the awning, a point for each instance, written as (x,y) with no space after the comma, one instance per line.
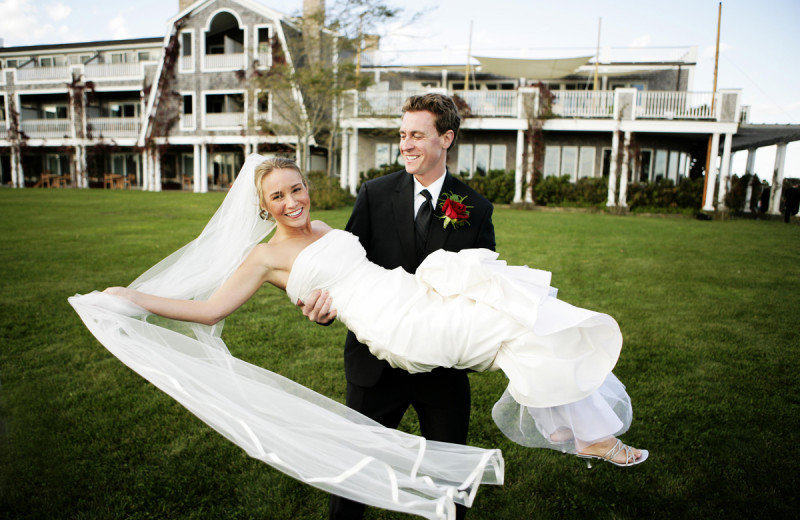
(532,69)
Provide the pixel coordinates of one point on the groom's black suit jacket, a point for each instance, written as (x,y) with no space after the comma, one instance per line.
(383,220)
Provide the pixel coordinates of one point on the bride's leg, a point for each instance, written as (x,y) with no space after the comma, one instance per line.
(611,449)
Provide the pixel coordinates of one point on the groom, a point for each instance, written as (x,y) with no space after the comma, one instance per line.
(398,226)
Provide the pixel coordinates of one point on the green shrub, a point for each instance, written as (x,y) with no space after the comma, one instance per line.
(374,173)
(497,186)
(555,191)
(326,192)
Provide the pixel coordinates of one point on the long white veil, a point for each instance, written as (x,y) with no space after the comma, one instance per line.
(300,432)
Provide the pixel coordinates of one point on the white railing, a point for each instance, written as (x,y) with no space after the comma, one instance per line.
(44,73)
(46,127)
(112,70)
(566,103)
(655,104)
(388,103)
(490,103)
(226,120)
(187,121)
(583,103)
(224,61)
(187,63)
(264,60)
(114,127)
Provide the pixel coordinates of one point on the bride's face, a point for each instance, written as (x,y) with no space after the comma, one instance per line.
(286,197)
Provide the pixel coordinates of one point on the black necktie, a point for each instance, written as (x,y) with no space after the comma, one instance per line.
(423,223)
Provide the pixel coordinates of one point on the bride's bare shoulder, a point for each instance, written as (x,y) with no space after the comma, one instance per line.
(320,226)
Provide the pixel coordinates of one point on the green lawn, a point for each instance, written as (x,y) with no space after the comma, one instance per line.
(709,311)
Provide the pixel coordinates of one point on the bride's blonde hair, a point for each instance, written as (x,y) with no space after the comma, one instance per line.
(269,166)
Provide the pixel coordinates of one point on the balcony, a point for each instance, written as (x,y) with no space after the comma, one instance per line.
(490,103)
(674,105)
(113,70)
(224,61)
(46,128)
(187,122)
(114,127)
(575,104)
(226,120)
(44,74)
(583,104)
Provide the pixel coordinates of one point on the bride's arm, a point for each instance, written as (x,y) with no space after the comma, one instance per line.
(239,288)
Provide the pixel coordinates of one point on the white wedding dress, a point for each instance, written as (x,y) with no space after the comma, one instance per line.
(469,310)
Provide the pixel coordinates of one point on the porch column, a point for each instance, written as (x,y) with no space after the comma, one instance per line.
(612,170)
(711,174)
(353,162)
(344,172)
(623,179)
(518,166)
(156,170)
(751,164)
(724,171)
(17,176)
(203,168)
(145,161)
(196,169)
(777,180)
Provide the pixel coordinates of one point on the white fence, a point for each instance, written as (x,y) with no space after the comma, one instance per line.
(654,104)
(490,103)
(113,70)
(46,127)
(225,120)
(44,74)
(114,127)
(583,103)
(224,61)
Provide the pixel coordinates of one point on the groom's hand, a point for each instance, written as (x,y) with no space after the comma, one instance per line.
(318,307)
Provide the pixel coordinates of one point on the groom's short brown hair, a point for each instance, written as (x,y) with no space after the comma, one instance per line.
(443,108)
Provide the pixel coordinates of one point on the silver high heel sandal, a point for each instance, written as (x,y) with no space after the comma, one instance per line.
(630,458)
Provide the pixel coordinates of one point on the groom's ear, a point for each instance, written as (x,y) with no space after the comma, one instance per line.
(447,139)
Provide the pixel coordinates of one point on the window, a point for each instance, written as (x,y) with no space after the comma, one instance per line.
(12,64)
(552,160)
(55,111)
(224,103)
(187,164)
(186,44)
(143,56)
(263,102)
(569,162)
(387,154)
(46,62)
(498,157)
(187,119)
(586,164)
(119,57)
(123,109)
(645,165)
(660,169)
(465,159)
(481,159)
(672,172)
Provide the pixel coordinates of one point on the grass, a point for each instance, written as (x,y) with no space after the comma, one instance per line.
(709,311)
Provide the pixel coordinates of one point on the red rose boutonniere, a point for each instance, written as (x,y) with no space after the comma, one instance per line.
(454,211)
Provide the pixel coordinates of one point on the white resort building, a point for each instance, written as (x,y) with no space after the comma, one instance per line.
(179,111)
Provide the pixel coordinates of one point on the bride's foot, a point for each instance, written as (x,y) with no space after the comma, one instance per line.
(561,436)
(615,452)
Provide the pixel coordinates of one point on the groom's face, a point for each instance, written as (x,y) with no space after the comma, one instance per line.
(423,148)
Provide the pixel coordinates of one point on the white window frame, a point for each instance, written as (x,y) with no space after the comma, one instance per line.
(656,154)
(194,111)
(672,165)
(192,48)
(207,27)
(257,114)
(256,29)
(465,156)
(574,151)
(552,161)
(498,155)
(586,152)
(206,93)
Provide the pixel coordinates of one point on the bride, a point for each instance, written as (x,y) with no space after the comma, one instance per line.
(558,358)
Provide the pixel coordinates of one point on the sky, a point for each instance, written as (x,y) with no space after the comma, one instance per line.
(759,41)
